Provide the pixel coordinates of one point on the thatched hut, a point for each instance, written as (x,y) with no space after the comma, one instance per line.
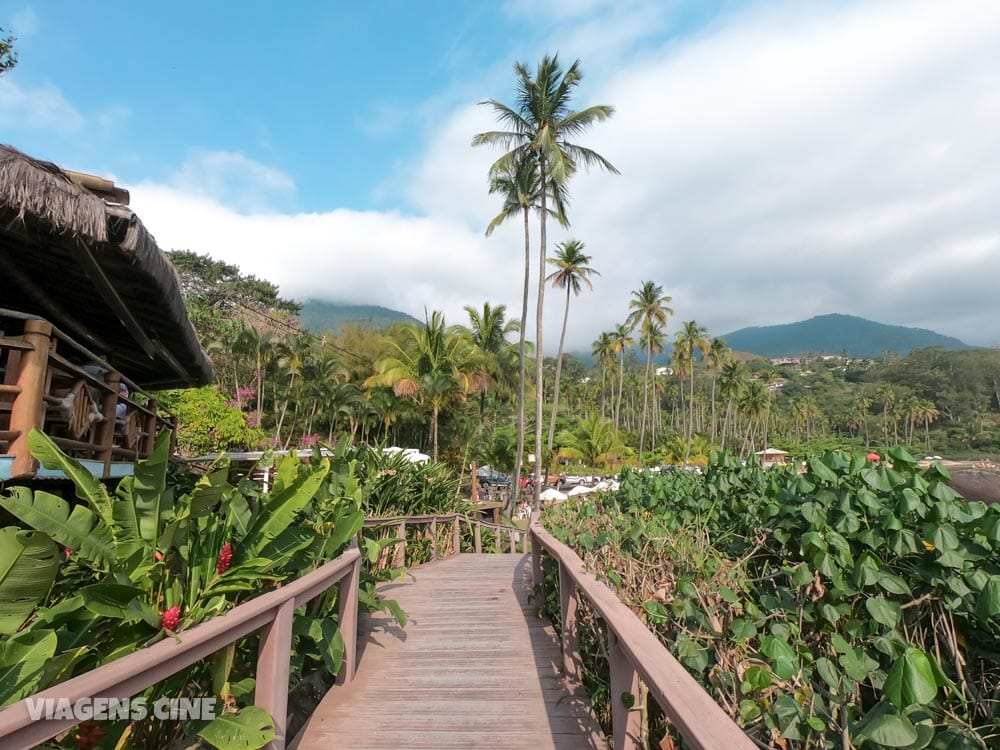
(82,279)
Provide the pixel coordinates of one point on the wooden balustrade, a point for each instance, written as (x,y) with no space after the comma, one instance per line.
(34,367)
(474,525)
(634,653)
(269,613)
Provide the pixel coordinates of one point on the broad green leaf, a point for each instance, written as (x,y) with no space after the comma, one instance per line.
(110,599)
(885,726)
(782,656)
(756,679)
(146,490)
(892,583)
(23,658)
(884,611)
(74,527)
(988,603)
(29,562)
(857,664)
(251,727)
(743,629)
(821,471)
(911,680)
(88,488)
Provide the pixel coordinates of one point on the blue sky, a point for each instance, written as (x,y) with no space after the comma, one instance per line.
(779,159)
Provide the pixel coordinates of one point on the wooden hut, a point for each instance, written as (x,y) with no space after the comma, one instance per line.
(91,320)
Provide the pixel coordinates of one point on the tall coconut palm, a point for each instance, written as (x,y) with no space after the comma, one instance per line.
(622,338)
(692,337)
(732,383)
(603,352)
(431,364)
(540,127)
(887,396)
(648,310)
(521,187)
(490,329)
(571,273)
(716,357)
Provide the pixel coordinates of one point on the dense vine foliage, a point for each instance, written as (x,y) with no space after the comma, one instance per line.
(854,604)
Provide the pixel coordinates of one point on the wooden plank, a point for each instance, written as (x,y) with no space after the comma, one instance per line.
(474,667)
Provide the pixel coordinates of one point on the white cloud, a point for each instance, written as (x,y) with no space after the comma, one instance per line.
(233,180)
(40,108)
(24,23)
(785,161)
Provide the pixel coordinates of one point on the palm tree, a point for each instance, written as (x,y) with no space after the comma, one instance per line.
(690,338)
(571,274)
(539,128)
(887,396)
(717,355)
(490,329)
(648,310)
(861,406)
(732,383)
(603,351)
(431,365)
(928,413)
(595,441)
(622,338)
(652,340)
(521,187)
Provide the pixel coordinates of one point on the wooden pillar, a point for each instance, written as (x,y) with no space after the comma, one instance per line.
(475,484)
(477,531)
(569,606)
(271,688)
(434,532)
(106,432)
(456,537)
(498,538)
(626,722)
(146,444)
(28,409)
(348,602)
(512,536)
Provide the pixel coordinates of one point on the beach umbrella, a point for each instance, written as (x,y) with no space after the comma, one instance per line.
(553,494)
(581,490)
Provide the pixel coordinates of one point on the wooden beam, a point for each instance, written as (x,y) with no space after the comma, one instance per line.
(110,295)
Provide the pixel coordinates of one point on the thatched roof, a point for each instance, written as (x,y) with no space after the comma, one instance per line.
(88,265)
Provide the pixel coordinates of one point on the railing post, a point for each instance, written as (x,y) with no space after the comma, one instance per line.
(569,606)
(498,538)
(149,427)
(626,722)
(28,409)
(477,531)
(536,571)
(399,558)
(106,432)
(512,538)
(434,544)
(347,598)
(271,688)
(456,538)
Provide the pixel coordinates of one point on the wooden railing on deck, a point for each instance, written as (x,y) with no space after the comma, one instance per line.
(474,525)
(634,653)
(269,613)
(32,362)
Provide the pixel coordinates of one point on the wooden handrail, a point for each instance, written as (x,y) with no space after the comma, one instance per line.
(633,652)
(475,525)
(270,613)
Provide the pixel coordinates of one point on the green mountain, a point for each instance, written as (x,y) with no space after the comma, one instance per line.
(833,334)
(319,316)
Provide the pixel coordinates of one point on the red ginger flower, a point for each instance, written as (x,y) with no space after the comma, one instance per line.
(171,618)
(225,558)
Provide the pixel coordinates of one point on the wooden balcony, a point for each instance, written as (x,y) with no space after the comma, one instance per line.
(91,411)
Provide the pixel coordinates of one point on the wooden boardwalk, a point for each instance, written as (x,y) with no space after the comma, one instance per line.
(474,667)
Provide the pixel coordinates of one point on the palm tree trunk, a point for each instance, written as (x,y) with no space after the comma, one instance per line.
(687,454)
(539,349)
(555,392)
(645,401)
(434,428)
(621,385)
(522,374)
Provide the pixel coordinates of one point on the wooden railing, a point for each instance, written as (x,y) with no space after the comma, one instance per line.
(269,613)
(38,373)
(455,521)
(634,653)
